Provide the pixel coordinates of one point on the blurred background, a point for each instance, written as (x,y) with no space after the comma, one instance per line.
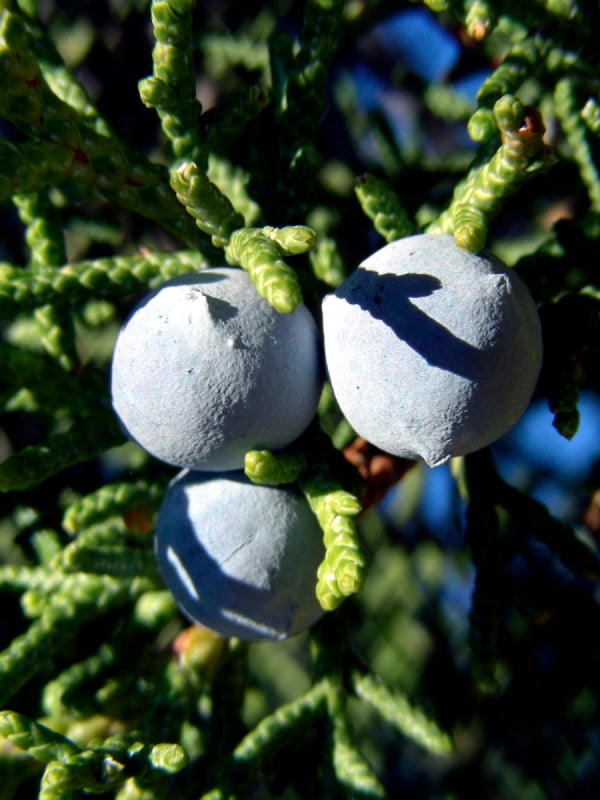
(400,92)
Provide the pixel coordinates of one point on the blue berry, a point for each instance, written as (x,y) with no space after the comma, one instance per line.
(432,351)
(239,558)
(204,370)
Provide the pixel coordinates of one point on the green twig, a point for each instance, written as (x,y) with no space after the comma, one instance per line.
(479,198)
(22,290)
(87,438)
(396,709)
(259,251)
(575,131)
(342,572)
(79,599)
(113,499)
(383,207)
(268,469)
(172,88)
(351,768)
(212,211)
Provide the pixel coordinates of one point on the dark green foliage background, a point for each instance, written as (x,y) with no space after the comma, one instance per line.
(510,672)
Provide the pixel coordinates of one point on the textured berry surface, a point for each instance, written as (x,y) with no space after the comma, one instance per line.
(204,370)
(432,351)
(241,559)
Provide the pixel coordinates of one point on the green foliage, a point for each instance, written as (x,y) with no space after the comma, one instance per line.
(342,571)
(448,663)
(380,203)
(259,252)
(172,89)
(479,197)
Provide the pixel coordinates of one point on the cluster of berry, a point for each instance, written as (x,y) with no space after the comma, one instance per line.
(431,352)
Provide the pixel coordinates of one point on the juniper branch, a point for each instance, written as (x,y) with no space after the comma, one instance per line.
(342,572)
(478,199)
(259,251)
(172,88)
(210,208)
(33,464)
(116,561)
(273,731)
(395,708)
(302,98)
(23,290)
(68,150)
(69,691)
(111,500)
(568,112)
(351,768)
(383,207)
(46,242)
(80,599)
(326,262)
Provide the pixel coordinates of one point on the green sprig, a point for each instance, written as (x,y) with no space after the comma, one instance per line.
(569,9)
(500,520)
(172,88)
(226,123)
(64,149)
(523,58)
(351,768)
(575,551)
(44,380)
(396,709)
(382,205)
(70,767)
(575,129)
(17,578)
(571,325)
(259,251)
(233,183)
(111,500)
(447,102)
(44,235)
(212,211)
(590,114)
(117,561)
(46,242)
(264,741)
(87,438)
(81,597)
(60,79)
(300,87)
(23,290)
(490,555)
(57,334)
(267,469)
(39,741)
(69,692)
(342,572)
(296,715)
(70,689)
(326,261)
(480,196)
(292,240)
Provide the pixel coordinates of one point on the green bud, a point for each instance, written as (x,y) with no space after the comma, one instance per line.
(292,240)
(482,125)
(169,758)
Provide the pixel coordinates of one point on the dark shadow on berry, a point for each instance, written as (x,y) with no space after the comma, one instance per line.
(387,297)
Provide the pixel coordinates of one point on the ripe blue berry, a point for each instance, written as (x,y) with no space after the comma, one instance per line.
(239,558)
(432,351)
(204,370)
